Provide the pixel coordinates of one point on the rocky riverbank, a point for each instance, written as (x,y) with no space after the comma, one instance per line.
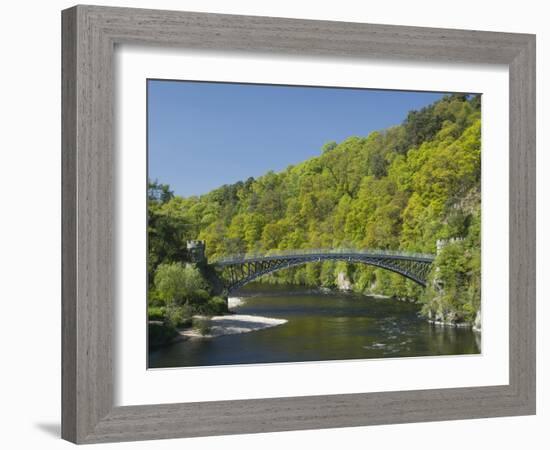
(230,324)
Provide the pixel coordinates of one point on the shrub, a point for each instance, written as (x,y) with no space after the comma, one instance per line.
(203,325)
(176,283)
(212,306)
(154,299)
(217,305)
(179,316)
(199,300)
(156,313)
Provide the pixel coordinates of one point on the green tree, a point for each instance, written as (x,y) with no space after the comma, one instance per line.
(157,192)
(177,283)
(401,188)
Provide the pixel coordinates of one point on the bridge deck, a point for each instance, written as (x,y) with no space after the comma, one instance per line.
(323,254)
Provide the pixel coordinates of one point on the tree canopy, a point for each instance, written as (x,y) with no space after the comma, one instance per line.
(405,188)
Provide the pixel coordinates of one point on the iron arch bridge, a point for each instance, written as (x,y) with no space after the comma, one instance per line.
(238,270)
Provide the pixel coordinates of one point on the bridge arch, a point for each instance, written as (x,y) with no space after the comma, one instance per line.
(241,270)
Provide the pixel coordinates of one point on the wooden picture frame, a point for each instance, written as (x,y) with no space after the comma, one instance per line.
(90,34)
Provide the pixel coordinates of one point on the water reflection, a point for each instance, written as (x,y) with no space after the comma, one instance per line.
(320,327)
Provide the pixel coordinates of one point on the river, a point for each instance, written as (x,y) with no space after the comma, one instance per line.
(320,327)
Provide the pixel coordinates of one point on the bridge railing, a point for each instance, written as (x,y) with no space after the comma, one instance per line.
(321,251)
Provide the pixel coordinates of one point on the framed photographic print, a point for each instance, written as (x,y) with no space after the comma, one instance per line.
(268,222)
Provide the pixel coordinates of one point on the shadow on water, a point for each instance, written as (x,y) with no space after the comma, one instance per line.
(321,326)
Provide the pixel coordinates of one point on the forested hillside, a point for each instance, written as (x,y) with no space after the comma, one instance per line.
(404,188)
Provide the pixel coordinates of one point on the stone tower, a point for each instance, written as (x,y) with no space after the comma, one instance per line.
(195,250)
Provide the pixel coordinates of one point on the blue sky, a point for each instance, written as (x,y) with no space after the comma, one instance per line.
(203,135)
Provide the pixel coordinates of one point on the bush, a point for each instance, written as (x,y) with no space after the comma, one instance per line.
(177,283)
(179,316)
(203,325)
(211,306)
(156,313)
(199,301)
(218,305)
(153,298)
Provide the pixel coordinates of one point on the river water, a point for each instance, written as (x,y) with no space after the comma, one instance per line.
(320,327)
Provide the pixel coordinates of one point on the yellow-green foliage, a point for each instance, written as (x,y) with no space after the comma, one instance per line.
(400,188)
